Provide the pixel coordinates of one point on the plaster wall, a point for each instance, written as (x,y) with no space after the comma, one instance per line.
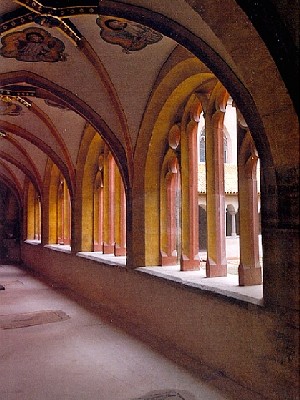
(252,345)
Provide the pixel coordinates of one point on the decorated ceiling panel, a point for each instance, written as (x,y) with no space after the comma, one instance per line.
(139,69)
(55,57)
(67,63)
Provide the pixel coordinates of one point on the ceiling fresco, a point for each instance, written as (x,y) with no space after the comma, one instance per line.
(32,45)
(69,64)
(131,36)
(7,107)
(58,56)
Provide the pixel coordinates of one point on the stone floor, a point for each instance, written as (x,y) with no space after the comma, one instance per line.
(53,347)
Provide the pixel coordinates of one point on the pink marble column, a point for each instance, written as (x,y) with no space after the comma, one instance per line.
(216,264)
(169,256)
(66,215)
(249,270)
(109,188)
(120,245)
(60,212)
(190,233)
(98,217)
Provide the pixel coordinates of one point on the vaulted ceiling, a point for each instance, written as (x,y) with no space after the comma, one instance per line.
(67,63)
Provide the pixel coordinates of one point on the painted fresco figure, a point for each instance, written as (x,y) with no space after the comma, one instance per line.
(129,35)
(9,108)
(32,45)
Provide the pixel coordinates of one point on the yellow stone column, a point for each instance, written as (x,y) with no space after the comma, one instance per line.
(60,212)
(30,212)
(37,217)
(119,216)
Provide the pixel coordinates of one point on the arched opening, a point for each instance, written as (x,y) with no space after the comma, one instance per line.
(102,209)
(202,228)
(33,215)
(10,225)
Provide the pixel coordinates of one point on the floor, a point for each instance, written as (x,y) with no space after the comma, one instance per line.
(53,347)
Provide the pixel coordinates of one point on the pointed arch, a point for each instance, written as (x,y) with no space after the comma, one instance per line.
(169,97)
(47,89)
(91,146)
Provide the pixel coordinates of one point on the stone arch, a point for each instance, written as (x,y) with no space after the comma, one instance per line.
(161,114)
(46,88)
(170,243)
(91,146)
(249,92)
(32,212)
(11,216)
(23,133)
(53,178)
(12,182)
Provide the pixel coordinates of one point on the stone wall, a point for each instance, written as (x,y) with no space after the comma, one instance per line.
(252,345)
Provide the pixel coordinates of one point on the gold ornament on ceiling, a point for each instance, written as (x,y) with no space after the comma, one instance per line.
(33,45)
(131,36)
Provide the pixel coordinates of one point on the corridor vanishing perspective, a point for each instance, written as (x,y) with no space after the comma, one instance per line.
(78,352)
(149,164)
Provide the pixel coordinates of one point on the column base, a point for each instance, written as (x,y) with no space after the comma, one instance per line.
(98,247)
(108,248)
(214,270)
(187,264)
(119,251)
(249,275)
(166,260)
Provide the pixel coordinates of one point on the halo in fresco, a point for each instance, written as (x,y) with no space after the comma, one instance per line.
(33,45)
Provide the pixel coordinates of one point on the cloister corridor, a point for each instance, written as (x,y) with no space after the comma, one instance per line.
(59,347)
(135,134)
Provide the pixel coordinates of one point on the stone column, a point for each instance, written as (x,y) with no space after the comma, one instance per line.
(168,245)
(189,199)
(249,269)
(120,216)
(232,214)
(31,213)
(37,218)
(216,264)
(60,212)
(109,194)
(66,215)
(98,212)
(233,224)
